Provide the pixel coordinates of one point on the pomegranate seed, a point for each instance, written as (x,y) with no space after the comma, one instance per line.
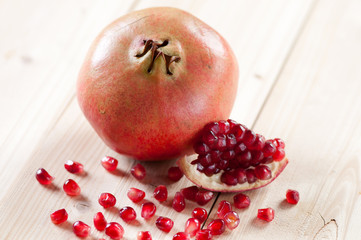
(192,226)
(165,224)
(190,193)
(144,235)
(161,193)
(107,200)
(269,149)
(81,229)
(127,214)
(43,177)
(200,214)
(109,163)
(114,230)
(228,178)
(148,210)
(279,154)
(204,234)
(203,197)
(223,208)
(135,195)
(73,167)
(240,175)
(210,139)
(99,221)
(251,176)
(59,216)
(217,227)
(279,143)
(259,142)
(241,201)
(138,171)
(71,188)
(201,148)
(232,220)
(178,202)
(263,172)
(292,196)
(180,236)
(224,126)
(174,174)
(266,214)
(249,138)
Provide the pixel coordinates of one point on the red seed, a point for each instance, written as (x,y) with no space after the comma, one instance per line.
(71,188)
(81,229)
(127,214)
(59,216)
(279,154)
(200,214)
(165,224)
(178,202)
(201,148)
(190,193)
(279,142)
(232,220)
(223,208)
(266,214)
(73,167)
(43,177)
(269,149)
(109,163)
(144,235)
(107,200)
(241,201)
(135,195)
(180,236)
(138,171)
(148,210)
(160,193)
(203,197)
(114,230)
(228,178)
(263,172)
(192,226)
(217,227)
(292,196)
(174,174)
(204,234)
(240,175)
(251,176)
(99,221)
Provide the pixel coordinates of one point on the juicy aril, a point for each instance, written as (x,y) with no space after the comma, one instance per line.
(152,79)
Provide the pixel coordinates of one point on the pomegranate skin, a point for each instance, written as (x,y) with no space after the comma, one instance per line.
(147,111)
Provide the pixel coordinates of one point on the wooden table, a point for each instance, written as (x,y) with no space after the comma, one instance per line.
(300,79)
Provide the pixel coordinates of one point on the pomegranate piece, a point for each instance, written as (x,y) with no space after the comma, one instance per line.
(179,203)
(165,224)
(203,197)
(200,214)
(138,171)
(107,200)
(59,216)
(71,188)
(292,196)
(190,193)
(135,195)
(217,226)
(99,221)
(223,208)
(175,174)
(241,201)
(109,163)
(43,177)
(204,234)
(144,235)
(148,210)
(192,226)
(180,236)
(114,230)
(73,167)
(127,214)
(160,193)
(266,214)
(231,219)
(81,229)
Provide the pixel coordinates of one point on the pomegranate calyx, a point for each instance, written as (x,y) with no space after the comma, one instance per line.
(150,45)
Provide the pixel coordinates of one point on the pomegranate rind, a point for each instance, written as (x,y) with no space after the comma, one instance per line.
(214,183)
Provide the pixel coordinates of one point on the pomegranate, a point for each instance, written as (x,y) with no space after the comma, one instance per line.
(192,226)
(43,177)
(81,229)
(114,230)
(160,193)
(127,214)
(59,216)
(109,163)
(107,200)
(217,226)
(148,210)
(200,214)
(165,224)
(231,219)
(174,174)
(241,201)
(266,214)
(292,196)
(178,203)
(152,79)
(232,158)
(135,195)
(73,167)
(71,188)
(99,221)
(223,208)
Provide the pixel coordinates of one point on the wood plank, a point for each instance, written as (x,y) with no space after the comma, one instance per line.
(316,107)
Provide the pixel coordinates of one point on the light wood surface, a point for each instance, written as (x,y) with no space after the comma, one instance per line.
(300,79)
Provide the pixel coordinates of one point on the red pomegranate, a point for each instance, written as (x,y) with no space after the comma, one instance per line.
(152,79)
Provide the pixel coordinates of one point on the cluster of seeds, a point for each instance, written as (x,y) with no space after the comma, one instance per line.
(236,151)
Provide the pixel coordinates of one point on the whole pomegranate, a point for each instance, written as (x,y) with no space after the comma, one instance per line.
(152,79)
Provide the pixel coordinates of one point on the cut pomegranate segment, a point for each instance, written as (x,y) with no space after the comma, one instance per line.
(180,236)
(135,195)
(148,210)
(165,224)
(200,214)
(71,188)
(192,226)
(160,193)
(292,196)
(178,202)
(99,221)
(59,216)
(204,234)
(43,177)
(175,174)
(109,163)
(127,214)
(232,158)
(223,208)
(81,229)
(138,171)
(114,230)
(107,200)
(241,201)
(73,167)
(266,214)
(217,226)
(144,235)
(231,219)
